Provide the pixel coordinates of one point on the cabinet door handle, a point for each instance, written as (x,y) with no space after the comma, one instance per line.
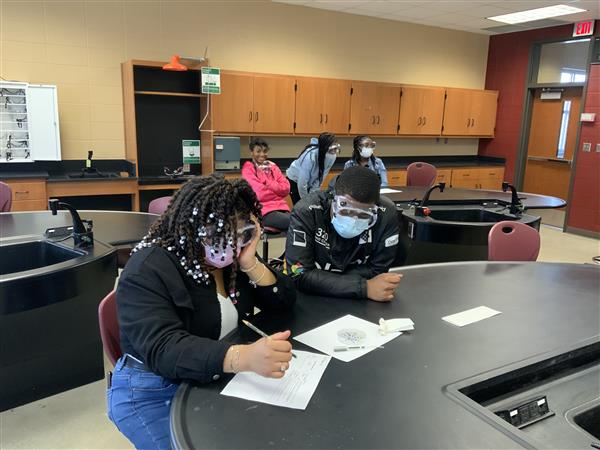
(378,120)
(321,121)
(21,192)
(472,122)
(420,120)
(468,122)
(256,116)
(372,120)
(326,117)
(250,116)
(424,120)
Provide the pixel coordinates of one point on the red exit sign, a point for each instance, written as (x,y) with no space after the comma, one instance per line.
(583,28)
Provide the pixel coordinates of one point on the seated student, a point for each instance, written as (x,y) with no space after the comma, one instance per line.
(269,184)
(363,156)
(189,283)
(307,172)
(341,243)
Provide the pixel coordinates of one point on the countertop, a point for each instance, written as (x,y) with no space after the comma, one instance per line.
(53,178)
(397,397)
(111,227)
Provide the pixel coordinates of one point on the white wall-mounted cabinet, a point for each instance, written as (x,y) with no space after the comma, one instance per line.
(29,128)
(44,133)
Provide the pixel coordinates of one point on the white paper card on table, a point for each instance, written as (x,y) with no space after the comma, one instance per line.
(294,390)
(471,316)
(325,337)
(388,191)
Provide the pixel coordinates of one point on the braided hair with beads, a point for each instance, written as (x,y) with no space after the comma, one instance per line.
(201,202)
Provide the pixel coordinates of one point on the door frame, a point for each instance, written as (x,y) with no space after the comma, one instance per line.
(528,96)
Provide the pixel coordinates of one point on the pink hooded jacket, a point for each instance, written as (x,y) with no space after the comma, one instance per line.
(271,186)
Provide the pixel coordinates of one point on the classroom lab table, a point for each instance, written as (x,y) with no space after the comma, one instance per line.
(398,397)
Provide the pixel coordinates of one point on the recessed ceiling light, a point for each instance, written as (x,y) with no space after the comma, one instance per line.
(537,14)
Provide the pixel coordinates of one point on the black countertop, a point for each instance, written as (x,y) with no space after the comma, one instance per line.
(396,397)
(111,227)
(465,196)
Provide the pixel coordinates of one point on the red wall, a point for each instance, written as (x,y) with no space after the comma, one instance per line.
(508,61)
(585,199)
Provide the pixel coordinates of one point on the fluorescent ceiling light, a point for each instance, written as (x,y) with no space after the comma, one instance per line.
(537,14)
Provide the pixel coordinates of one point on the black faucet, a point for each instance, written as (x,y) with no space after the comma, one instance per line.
(516,207)
(82,236)
(420,210)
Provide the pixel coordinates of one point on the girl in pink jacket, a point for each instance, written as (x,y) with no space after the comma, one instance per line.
(269,184)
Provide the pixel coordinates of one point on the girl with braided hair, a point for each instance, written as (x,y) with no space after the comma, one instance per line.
(187,285)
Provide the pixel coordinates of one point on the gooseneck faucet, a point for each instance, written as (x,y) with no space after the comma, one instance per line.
(515,203)
(81,235)
(420,210)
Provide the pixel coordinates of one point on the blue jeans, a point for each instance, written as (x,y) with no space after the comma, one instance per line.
(139,403)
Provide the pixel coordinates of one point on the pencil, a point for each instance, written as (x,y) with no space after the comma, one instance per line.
(262,333)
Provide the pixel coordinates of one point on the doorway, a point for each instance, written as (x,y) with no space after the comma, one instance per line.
(551,144)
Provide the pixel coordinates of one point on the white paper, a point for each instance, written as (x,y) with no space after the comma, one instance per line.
(388,191)
(294,390)
(391,325)
(324,338)
(471,316)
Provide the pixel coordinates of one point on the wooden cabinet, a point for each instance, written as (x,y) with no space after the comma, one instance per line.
(254,103)
(469,112)
(491,178)
(444,176)
(396,177)
(478,178)
(328,178)
(28,195)
(233,109)
(322,105)
(421,111)
(374,108)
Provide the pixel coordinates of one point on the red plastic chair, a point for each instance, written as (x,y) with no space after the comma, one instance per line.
(159,205)
(5,197)
(420,174)
(513,241)
(109,327)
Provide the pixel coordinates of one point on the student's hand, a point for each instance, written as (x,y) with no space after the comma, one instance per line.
(248,254)
(267,357)
(381,288)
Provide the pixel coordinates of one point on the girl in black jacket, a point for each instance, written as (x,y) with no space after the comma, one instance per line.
(189,283)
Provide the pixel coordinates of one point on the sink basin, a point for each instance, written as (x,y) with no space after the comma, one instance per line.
(33,255)
(468,215)
(589,420)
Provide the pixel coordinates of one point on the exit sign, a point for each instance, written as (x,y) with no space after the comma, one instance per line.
(583,28)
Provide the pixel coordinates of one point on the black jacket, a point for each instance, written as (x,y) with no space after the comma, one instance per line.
(173,324)
(322,262)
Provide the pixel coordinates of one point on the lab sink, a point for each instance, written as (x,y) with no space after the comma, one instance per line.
(32,255)
(468,215)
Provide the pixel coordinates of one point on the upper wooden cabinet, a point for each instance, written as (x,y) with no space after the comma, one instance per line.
(322,105)
(469,112)
(421,111)
(374,108)
(254,103)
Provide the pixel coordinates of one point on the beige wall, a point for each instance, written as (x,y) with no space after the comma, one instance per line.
(79,45)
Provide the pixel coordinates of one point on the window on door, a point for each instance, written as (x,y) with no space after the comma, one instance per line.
(564,126)
(568,75)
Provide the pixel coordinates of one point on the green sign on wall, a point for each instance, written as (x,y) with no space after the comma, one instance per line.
(211,80)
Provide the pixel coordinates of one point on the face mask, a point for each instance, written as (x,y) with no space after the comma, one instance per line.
(349,227)
(366,152)
(219,258)
(329,159)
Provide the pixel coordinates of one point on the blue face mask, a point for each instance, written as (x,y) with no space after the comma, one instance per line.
(349,227)
(329,160)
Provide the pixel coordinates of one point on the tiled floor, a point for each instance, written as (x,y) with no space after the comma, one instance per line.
(77,419)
